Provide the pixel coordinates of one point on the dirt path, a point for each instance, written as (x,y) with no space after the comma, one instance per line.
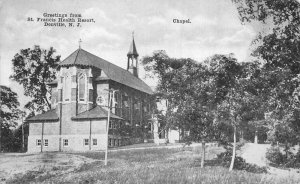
(19,163)
(256,154)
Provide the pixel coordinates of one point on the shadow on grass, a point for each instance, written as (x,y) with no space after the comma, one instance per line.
(211,163)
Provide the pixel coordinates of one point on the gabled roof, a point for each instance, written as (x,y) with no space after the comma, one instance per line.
(132,49)
(95,113)
(47,116)
(83,58)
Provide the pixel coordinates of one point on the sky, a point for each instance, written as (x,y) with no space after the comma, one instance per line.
(214,29)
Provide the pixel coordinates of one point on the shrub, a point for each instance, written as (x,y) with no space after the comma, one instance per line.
(293,161)
(278,159)
(275,156)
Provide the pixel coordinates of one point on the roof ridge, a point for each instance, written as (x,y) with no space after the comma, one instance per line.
(105,60)
(44,115)
(113,71)
(66,58)
(76,55)
(87,110)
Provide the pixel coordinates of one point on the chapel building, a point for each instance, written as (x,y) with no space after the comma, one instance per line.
(80,98)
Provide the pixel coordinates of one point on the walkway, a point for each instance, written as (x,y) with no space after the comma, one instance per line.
(256,154)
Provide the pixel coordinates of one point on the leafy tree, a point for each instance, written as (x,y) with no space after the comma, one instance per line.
(257,82)
(277,45)
(33,69)
(179,82)
(193,91)
(231,98)
(9,113)
(231,111)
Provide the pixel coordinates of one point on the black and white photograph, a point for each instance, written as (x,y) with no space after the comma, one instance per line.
(150,91)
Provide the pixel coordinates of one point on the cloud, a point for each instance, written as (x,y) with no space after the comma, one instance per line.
(237,39)
(131,16)
(202,21)
(99,35)
(175,13)
(156,20)
(215,28)
(97,14)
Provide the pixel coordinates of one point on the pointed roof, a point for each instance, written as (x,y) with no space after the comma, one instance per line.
(132,49)
(95,113)
(113,72)
(47,116)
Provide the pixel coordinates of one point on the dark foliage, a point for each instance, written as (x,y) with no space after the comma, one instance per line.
(33,69)
(9,116)
(279,159)
(275,156)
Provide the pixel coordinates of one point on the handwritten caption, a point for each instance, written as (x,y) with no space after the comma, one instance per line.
(61,20)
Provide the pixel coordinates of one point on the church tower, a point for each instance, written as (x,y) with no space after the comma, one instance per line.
(132,56)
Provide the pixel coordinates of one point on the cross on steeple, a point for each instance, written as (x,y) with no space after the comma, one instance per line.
(79,42)
(132,34)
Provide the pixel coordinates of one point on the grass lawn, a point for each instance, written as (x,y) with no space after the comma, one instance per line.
(151,166)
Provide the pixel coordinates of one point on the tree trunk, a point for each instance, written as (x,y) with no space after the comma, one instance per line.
(242,135)
(255,137)
(0,134)
(286,149)
(233,150)
(23,138)
(203,154)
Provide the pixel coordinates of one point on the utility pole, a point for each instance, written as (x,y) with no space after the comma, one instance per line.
(111,97)
(23,139)
(23,114)
(1,122)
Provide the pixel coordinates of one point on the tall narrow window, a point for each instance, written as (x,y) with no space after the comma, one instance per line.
(46,142)
(38,142)
(66,142)
(82,84)
(67,88)
(86,142)
(94,142)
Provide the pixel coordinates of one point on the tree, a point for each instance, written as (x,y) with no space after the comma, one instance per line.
(277,45)
(193,91)
(33,69)
(231,111)
(9,113)
(231,98)
(179,82)
(257,83)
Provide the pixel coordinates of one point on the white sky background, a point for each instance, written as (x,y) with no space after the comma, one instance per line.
(215,29)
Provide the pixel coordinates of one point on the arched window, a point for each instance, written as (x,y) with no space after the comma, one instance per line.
(82,87)
(67,88)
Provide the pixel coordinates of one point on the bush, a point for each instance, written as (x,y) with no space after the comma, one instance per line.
(278,159)
(275,156)
(293,161)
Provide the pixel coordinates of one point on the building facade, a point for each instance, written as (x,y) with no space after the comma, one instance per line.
(80,98)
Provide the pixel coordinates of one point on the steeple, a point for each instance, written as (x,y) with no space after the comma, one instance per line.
(132,56)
